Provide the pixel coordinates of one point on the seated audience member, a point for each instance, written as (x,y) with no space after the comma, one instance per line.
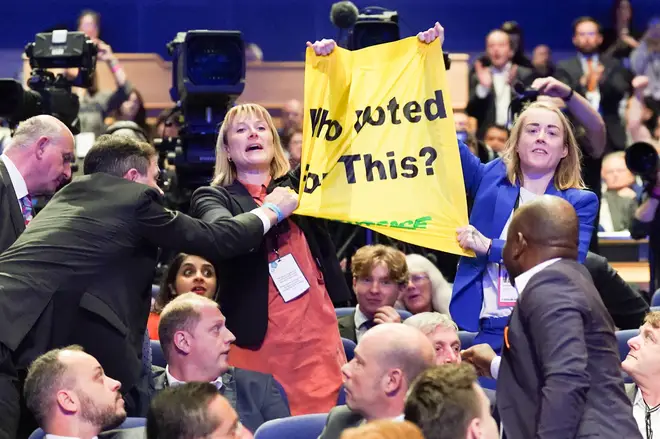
(643,366)
(195,343)
(380,274)
(626,306)
(193,411)
(619,200)
(427,288)
(186,273)
(292,117)
(442,332)
(542,61)
(167,124)
(384,430)
(387,359)
(495,138)
(294,141)
(446,402)
(132,109)
(70,396)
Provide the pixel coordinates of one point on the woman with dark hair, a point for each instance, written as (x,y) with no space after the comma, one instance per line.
(89,22)
(515,33)
(132,109)
(186,274)
(620,39)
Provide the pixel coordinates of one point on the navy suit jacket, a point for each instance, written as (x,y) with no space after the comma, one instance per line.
(494,199)
(255,396)
(560,375)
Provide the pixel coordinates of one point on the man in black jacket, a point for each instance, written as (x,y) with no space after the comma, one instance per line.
(81,273)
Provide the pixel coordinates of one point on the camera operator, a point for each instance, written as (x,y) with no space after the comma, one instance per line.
(646,222)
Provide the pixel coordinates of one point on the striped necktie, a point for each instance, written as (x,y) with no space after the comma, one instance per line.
(26,208)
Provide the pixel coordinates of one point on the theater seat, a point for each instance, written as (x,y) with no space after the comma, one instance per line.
(157,357)
(295,427)
(655,300)
(622,337)
(341,399)
(466,338)
(341,312)
(349,348)
(128,423)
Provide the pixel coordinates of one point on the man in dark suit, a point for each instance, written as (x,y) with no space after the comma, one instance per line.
(560,373)
(387,360)
(36,161)
(81,273)
(600,79)
(71,396)
(193,411)
(380,273)
(196,343)
(492,83)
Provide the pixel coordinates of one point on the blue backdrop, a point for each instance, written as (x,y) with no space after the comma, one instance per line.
(282,27)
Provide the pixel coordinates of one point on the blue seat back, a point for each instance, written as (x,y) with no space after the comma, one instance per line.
(466,338)
(349,348)
(294,427)
(128,423)
(157,356)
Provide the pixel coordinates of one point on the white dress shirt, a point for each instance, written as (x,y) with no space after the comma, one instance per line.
(360,319)
(521,282)
(17,180)
(173,382)
(639,413)
(502,90)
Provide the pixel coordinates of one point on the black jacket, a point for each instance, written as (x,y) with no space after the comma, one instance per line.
(12,223)
(243,280)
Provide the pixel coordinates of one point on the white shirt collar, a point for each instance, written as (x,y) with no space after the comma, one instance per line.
(54,436)
(173,382)
(505,68)
(522,279)
(17,180)
(399,418)
(360,318)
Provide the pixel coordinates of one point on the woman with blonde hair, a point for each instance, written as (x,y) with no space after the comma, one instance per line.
(287,329)
(427,288)
(386,429)
(541,157)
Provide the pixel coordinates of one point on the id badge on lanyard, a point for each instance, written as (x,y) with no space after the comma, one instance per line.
(287,276)
(506,292)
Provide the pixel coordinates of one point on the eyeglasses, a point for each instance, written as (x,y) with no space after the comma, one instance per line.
(419,278)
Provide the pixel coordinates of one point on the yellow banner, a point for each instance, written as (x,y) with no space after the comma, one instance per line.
(380,146)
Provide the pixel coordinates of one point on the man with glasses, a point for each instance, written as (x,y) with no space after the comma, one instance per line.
(380,274)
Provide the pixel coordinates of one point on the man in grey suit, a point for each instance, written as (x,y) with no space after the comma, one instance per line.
(36,161)
(387,360)
(69,395)
(196,345)
(560,372)
(643,365)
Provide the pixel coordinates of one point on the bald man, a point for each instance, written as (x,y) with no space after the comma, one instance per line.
(387,359)
(560,373)
(36,161)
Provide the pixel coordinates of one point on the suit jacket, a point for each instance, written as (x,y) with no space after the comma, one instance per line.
(494,199)
(12,223)
(82,272)
(484,109)
(243,280)
(254,395)
(560,375)
(626,306)
(125,433)
(347,327)
(339,419)
(614,84)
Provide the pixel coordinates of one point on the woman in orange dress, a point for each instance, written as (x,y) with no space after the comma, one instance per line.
(278,299)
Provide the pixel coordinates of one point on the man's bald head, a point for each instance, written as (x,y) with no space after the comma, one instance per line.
(402,346)
(42,149)
(544,229)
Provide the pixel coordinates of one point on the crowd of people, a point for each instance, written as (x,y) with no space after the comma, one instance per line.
(245,345)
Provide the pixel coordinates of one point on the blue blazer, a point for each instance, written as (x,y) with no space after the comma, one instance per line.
(494,198)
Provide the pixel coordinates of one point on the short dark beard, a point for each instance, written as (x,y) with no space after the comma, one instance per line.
(103,417)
